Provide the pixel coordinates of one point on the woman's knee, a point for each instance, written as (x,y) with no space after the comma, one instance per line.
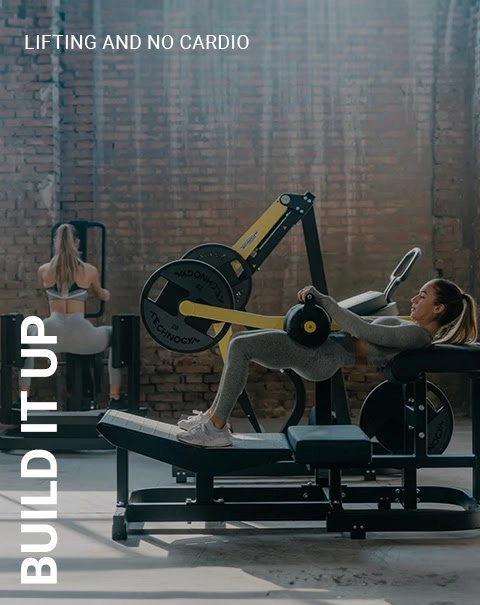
(245,345)
(237,346)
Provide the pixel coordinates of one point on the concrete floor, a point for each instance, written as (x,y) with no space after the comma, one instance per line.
(267,563)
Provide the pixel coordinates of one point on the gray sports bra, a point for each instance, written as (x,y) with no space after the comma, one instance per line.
(74,293)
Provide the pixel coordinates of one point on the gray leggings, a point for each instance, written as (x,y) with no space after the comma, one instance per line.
(275,350)
(75,334)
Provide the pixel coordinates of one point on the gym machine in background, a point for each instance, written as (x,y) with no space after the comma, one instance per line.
(76,429)
(79,414)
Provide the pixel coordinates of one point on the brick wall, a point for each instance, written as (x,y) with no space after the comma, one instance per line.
(29,167)
(369,104)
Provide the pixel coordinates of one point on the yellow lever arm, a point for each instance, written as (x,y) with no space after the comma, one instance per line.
(239,318)
(242,318)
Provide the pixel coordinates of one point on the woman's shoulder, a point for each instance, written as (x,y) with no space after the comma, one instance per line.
(44,269)
(89,269)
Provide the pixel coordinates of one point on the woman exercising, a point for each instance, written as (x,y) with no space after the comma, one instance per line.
(66,281)
(441,313)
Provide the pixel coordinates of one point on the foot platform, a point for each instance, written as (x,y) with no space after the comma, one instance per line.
(158,440)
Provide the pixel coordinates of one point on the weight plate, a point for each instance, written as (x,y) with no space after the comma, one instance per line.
(191,280)
(231,265)
(382,416)
(307,324)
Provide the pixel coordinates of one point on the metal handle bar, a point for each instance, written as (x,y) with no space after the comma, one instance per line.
(401,271)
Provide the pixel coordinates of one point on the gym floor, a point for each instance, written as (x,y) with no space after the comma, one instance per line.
(255,563)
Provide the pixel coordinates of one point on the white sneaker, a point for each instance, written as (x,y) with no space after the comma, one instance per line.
(206,435)
(194,420)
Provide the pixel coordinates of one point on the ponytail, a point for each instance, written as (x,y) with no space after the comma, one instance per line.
(66,260)
(458,324)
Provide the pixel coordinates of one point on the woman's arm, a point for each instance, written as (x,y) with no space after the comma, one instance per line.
(100,293)
(403,336)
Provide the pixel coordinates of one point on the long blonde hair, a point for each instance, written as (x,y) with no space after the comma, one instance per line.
(66,260)
(458,324)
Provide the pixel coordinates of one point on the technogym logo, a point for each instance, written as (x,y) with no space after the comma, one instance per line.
(36,570)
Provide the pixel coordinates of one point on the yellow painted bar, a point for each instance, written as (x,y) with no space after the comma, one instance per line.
(257,232)
(242,318)
(239,318)
(223,344)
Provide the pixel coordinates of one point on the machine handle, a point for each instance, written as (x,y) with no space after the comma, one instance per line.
(401,271)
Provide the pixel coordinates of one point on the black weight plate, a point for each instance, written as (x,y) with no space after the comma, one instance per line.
(382,416)
(185,280)
(221,257)
(440,420)
(301,314)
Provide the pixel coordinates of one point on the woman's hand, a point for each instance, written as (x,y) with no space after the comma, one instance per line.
(309,290)
(105,295)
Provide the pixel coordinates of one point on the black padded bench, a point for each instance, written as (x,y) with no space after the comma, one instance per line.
(332,447)
(327,446)
(158,440)
(409,366)
(318,446)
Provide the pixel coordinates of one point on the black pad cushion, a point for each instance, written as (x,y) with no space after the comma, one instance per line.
(367,303)
(330,445)
(442,359)
(158,440)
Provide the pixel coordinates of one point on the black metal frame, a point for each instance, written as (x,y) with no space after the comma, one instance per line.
(10,358)
(76,429)
(326,500)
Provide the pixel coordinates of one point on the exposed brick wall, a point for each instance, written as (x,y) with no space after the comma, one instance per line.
(475,129)
(454,209)
(77,102)
(29,166)
(368,104)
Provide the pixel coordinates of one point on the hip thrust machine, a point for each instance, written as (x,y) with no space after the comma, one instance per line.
(189,306)
(321,448)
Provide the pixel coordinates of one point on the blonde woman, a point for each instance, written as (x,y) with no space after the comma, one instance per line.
(67,281)
(441,313)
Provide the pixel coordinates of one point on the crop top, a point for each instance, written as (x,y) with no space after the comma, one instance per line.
(384,337)
(74,293)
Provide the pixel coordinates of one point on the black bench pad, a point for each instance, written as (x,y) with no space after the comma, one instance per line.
(158,440)
(330,445)
(410,365)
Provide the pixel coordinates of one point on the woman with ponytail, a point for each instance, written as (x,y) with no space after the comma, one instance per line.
(67,280)
(456,314)
(441,313)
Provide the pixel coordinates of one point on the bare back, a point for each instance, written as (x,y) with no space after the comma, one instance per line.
(86,277)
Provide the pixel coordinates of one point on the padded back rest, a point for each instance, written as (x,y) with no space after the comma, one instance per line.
(443,359)
(367,303)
